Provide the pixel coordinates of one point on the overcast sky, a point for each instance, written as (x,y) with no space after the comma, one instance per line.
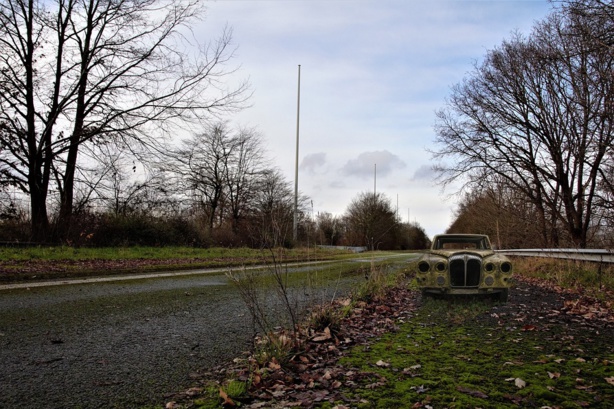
(373,73)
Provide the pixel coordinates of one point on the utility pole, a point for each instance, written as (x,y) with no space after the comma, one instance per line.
(298,113)
(374,179)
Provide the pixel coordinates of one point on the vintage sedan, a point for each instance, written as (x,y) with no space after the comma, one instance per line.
(464,264)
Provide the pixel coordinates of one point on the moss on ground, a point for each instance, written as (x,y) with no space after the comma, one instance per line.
(460,354)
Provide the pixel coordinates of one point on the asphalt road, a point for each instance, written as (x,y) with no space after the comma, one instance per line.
(124,344)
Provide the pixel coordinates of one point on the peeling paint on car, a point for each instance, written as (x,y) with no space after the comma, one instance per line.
(463,264)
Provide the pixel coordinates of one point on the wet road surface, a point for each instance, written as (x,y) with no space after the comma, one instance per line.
(117,344)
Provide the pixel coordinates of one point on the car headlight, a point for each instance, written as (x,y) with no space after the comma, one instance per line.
(441,266)
(506,267)
(424,266)
(490,267)
(489,280)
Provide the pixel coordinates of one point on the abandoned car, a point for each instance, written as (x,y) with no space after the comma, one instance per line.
(464,264)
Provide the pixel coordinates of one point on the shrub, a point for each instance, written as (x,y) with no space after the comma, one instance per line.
(132,230)
(14,230)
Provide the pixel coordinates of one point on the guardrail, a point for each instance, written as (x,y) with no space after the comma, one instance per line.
(595,255)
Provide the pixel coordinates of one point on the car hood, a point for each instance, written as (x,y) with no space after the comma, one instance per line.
(450,253)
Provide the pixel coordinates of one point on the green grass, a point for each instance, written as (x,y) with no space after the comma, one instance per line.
(151,253)
(471,353)
(588,277)
(19,264)
(451,355)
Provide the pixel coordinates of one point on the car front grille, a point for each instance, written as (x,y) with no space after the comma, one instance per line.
(465,270)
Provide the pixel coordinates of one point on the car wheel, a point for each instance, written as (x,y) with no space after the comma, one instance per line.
(503,295)
(427,294)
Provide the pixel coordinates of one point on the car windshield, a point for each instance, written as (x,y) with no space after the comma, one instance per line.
(460,243)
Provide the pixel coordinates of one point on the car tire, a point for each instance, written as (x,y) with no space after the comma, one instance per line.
(427,295)
(503,295)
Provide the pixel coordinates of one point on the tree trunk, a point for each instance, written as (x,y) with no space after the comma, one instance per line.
(66,205)
(66,199)
(38,206)
(37,183)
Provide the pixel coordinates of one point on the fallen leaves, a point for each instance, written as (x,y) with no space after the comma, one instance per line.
(578,304)
(477,394)
(589,308)
(322,336)
(226,401)
(382,364)
(518,382)
(274,365)
(554,375)
(419,389)
(313,377)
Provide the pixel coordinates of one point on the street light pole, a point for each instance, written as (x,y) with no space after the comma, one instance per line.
(298,112)
(374,179)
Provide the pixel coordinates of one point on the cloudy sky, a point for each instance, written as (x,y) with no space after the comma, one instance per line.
(373,73)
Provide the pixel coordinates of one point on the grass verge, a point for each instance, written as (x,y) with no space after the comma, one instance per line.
(588,278)
(461,354)
(36,263)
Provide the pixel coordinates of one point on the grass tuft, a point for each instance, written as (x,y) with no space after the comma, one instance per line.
(589,277)
(378,281)
(274,349)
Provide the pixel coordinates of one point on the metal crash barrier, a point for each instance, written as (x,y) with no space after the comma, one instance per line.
(594,255)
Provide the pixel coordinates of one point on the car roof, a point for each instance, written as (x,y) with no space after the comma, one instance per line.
(441,239)
(461,236)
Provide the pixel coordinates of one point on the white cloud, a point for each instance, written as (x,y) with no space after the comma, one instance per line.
(313,162)
(423,173)
(372,164)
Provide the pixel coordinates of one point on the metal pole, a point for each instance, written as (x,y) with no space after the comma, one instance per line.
(298,112)
(374,179)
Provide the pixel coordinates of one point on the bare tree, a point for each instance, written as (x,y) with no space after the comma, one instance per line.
(507,217)
(371,221)
(80,71)
(594,19)
(272,211)
(329,228)
(201,169)
(219,169)
(537,116)
(246,167)
(413,237)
